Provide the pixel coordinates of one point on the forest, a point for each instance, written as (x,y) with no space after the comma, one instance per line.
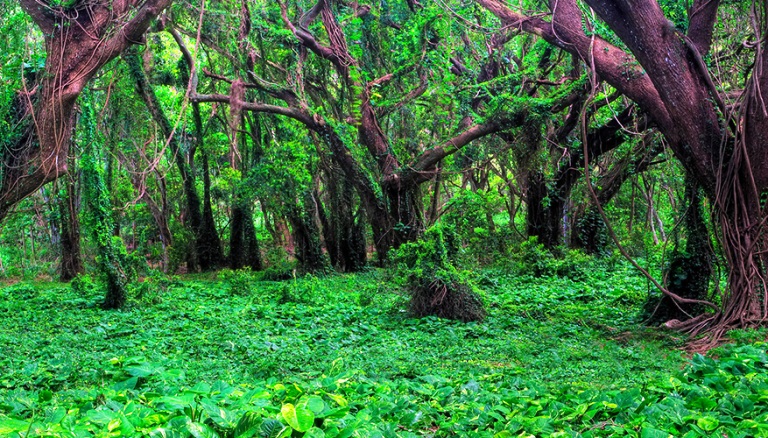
(383,218)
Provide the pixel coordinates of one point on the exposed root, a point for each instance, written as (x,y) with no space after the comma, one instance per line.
(446,300)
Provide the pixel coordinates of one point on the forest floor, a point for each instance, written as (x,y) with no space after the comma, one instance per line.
(338,356)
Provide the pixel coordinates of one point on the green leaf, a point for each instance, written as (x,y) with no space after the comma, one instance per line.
(338,399)
(315,432)
(708,423)
(126,384)
(650,432)
(168,433)
(298,417)
(143,370)
(201,430)
(248,425)
(10,425)
(219,415)
(315,404)
(271,428)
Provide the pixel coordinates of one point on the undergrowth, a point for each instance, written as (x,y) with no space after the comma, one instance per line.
(340,356)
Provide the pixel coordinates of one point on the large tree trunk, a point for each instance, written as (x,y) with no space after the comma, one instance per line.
(406,211)
(690,269)
(79,40)
(306,236)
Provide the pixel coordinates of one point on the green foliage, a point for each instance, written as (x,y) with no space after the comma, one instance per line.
(239,281)
(152,288)
(279,266)
(534,259)
(183,241)
(469,217)
(260,368)
(83,285)
(112,255)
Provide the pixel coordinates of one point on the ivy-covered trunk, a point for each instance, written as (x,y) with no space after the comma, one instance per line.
(405,209)
(208,243)
(545,210)
(691,267)
(110,251)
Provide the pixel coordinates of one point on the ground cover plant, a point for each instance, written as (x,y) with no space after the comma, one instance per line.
(339,356)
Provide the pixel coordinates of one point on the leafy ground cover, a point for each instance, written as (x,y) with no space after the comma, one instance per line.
(337,356)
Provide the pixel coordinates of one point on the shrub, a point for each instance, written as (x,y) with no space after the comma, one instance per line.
(239,281)
(535,259)
(151,290)
(83,285)
(468,223)
(279,266)
(435,285)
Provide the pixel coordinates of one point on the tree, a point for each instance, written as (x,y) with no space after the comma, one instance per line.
(80,38)
(664,72)
(347,106)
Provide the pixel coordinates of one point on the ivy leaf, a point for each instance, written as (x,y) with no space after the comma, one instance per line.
(10,425)
(298,417)
(708,423)
(270,428)
(248,425)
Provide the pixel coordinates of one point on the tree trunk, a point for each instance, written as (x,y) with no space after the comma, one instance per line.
(71,257)
(405,209)
(545,211)
(79,40)
(147,93)
(243,245)
(208,243)
(306,236)
(690,269)
(110,253)
(727,157)
(589,231)
(343,229)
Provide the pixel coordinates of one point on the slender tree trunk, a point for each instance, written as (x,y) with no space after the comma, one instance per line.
(209,252)
(68,206)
